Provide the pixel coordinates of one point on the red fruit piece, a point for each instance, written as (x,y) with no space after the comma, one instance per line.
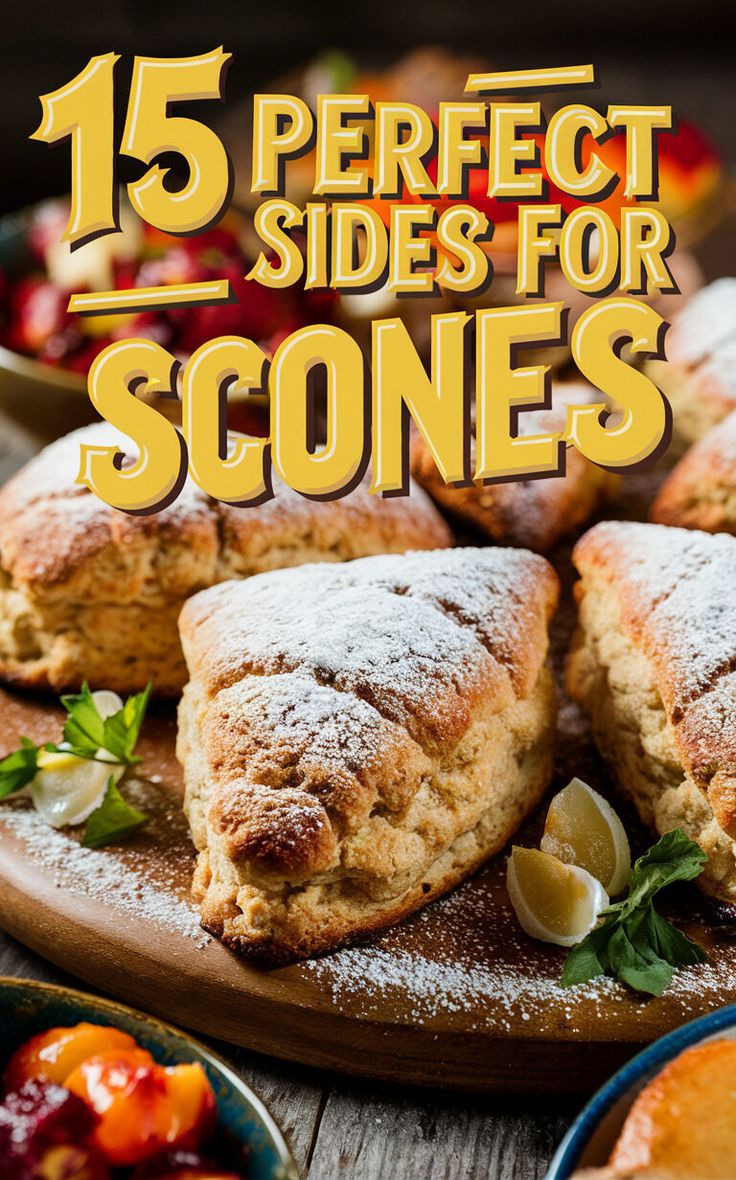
(257,313)
(144,1108)
(213,246)
(34,1120)
(37,312)
(176,266)
(52,1055)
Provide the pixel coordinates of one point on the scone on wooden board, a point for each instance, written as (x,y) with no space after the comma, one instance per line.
(357,739)
(700,493)
(683,1124)
(534,513)
(91,593)
(654,663)
(699,376)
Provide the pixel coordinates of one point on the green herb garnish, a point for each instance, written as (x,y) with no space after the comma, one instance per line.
(18,769)
(634,943)
(113,820)
(86,733)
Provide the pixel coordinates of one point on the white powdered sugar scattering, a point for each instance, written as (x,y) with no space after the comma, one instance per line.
(477,963)
(112,875)
(706,324)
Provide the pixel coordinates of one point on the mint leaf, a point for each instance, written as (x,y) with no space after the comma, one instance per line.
(84,729)
(634,943)
(672,944)
(18,769)
(87,732)
(636,963)
(113,820)
(673,858)
(122,730)
(589,958)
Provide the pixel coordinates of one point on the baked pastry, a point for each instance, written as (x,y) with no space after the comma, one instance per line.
(701,491)
(357,739)
(533,513)
(699,376)
(683,1124)
(654,663)
(90,593)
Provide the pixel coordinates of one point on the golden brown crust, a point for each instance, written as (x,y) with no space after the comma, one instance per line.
(700,493)
(654,661)
(78,579)
(356,740)
(699,376)
(534,513)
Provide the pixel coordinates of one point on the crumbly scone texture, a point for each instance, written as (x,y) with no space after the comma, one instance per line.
(91,593)
(357,739)
(533,513)
(700,493)
(654,663)
(699,376)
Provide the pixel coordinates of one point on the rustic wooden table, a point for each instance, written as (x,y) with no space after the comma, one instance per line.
(341,1129)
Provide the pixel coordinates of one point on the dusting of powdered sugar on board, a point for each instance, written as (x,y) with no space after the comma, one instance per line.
(139,877)
(495,973)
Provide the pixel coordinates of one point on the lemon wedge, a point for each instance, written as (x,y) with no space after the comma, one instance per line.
(583,829)
(67,789)
(554,902)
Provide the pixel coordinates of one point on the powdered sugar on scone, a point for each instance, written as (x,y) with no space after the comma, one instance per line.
(88,592)
(356,739)
(654,662)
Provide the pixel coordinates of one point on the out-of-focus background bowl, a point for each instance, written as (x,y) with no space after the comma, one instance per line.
(48,401)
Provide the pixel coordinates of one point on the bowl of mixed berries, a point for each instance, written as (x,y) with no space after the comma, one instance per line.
(46,350)
(93,1091)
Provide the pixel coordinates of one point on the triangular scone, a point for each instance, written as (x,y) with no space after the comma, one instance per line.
(700,493)
(699,376)
(532,513)
(357,739)
(90,593)
(654,663)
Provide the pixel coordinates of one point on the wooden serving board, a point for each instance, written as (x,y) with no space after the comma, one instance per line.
(455,997)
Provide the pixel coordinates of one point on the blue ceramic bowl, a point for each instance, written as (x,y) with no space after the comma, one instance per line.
(28,1007)
(590,1140)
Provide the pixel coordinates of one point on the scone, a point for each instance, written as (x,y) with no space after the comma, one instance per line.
(700,493)
(535,513)
(654,663)
(699,376)
(357,739)
(90,593)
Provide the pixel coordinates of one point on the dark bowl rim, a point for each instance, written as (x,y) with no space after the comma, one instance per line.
(217,1063)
